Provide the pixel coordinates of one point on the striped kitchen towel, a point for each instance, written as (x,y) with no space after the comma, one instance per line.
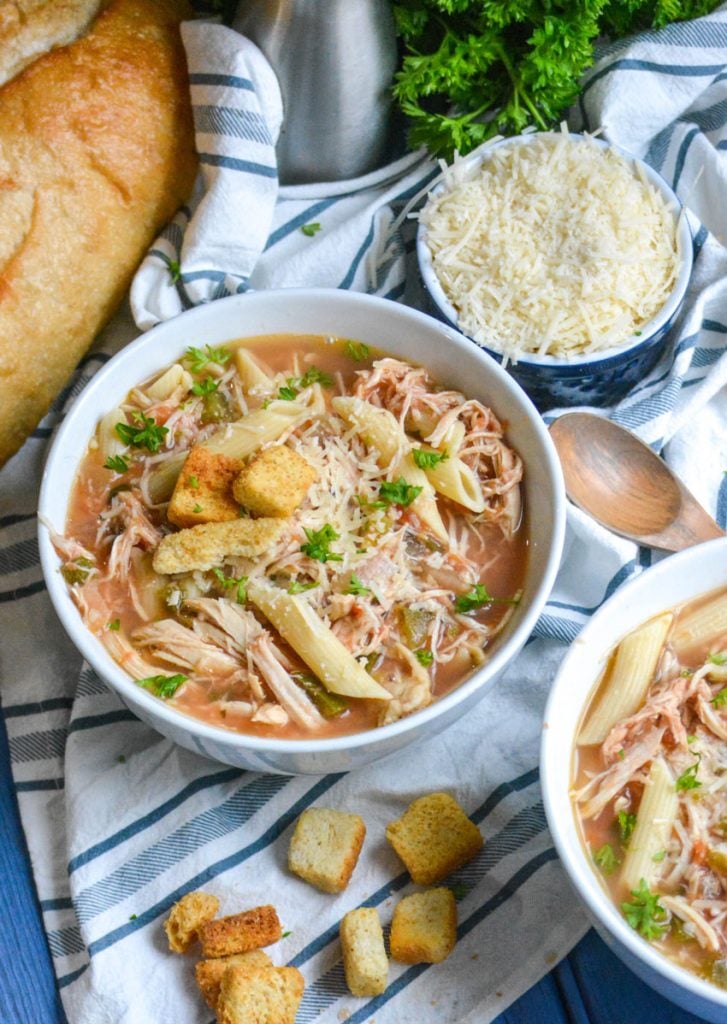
(120,822)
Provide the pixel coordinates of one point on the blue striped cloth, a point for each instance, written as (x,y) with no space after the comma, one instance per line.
(120,822)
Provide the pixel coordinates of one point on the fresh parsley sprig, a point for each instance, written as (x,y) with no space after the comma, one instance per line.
(238,583)
(318,544)
(688,779)
(626,823)
(162,686)
(398,492)
(356,587)
(644,912)
(142,432)
(197,359)
(205,387)
(428,459)
(357,350)
(606,859)
(117,463)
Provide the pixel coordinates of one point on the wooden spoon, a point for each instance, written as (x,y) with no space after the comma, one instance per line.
(625,486)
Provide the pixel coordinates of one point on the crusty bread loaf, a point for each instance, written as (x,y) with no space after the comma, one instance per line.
(29,28)
(96,153)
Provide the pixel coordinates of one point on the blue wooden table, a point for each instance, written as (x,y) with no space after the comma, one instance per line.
(590,987)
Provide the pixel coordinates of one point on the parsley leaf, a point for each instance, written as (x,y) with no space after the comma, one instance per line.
(118,463)
(162,686)
(319,542)
(688,778)
(205,387)
(357,351)
(720,699)
(428,460)
(175,271)
(196,359)
(424,657)
(356,587)
(228,582)
(717,659)
(606,859)
(311,229)
(299,588)
(645,912)
(288,394)
(146,433)
(477,597)
(626,825)
(114,625)
(193,482)
(398,492)
(295,384)
(197,509)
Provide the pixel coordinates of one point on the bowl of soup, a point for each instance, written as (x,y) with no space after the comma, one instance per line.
(634,773)
(297,530)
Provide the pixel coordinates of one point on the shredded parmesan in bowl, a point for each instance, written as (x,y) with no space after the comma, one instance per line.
(551,244)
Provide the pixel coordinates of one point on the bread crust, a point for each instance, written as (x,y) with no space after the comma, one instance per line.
(187,917)
(29,28)
(239,933)
(96,154)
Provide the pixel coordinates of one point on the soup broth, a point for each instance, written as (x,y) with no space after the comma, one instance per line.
(650,783)
(377,551)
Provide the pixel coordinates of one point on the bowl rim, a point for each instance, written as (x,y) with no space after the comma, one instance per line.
(97,656)
(603,357)
(576,864)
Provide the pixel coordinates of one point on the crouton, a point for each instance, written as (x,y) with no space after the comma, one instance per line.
(274,482)
(240,933)
(203,491)
(364,956)
(268,995)
(208,545)
(209,972)
(434,837)
(187,917)
(424,927)
(325,847)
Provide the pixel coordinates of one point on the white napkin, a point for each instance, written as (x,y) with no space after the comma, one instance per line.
(120,822)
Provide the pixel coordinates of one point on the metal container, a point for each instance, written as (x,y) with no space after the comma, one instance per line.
(335,60)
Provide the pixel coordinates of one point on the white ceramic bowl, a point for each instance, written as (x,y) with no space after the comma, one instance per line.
(395,329)
(598,378)
(673,581)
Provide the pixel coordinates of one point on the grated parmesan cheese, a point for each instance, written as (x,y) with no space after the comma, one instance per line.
(555,247)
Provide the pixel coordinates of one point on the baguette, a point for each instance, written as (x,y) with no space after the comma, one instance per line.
(30,27)
(96,154)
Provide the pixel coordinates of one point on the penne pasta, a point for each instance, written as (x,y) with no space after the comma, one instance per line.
(633,670)
(654,824)
(175,378)
(425,503)
(455,480)
(313,641)
(252,375)
(707,622)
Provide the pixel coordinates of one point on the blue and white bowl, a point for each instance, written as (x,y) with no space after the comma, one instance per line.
(600,378)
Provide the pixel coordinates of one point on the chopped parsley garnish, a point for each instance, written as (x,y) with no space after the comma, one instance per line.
(606,859)
(288,394)
(114,625)
(295,385)
(286,934)
(356,587)
(424,657)
(720,699)
(688,779)
(133,917)
(478,597)
(196,359)
(144,432)
(197,509)
(193,481)
(659,857)
(175,270)
(357,351)
(298,588)
(118,463)
(121,759)
(318,544)
(428,460)
(310,229)
(77,571)
(205,387)
(622,753)
(644,913)
(228,582)
(162,686)
(398,492)
(626,825)
(717,659)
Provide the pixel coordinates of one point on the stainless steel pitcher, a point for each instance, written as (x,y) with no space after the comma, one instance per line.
(335,60)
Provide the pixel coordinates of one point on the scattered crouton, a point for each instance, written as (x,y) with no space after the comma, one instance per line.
(434,837)
(240,933)
(209,973)
(364,955)
(275,482)
(203,547)
(187,917)
(267,995)
(203,492)
(424,927)
(325,847)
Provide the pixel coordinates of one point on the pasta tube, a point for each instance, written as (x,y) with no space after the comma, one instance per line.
(654,824)
(633,670)
(705,623)
(251,373)
(170,381)
(109,442)
(425,503)
(314,642)
(455,480)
